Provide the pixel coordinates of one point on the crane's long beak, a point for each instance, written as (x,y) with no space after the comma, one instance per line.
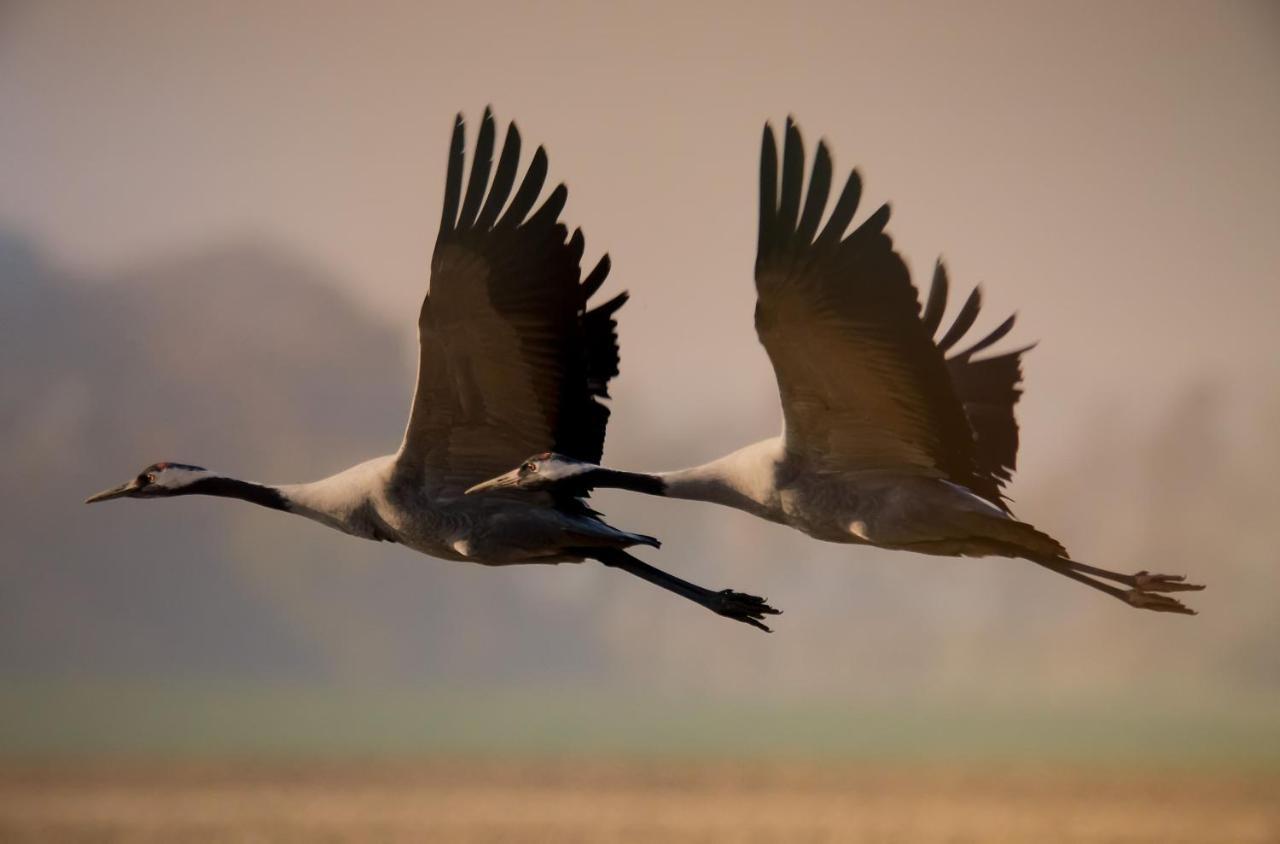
(510,479)
(115,492)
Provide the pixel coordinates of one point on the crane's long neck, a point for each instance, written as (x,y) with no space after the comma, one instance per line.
(708,482)
(308,500)
(261,494)
(342,501)
(334,505)
(744,480)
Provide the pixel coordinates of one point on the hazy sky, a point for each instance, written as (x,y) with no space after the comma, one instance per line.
(1108,169)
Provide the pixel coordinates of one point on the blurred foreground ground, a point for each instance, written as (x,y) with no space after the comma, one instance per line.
(545,799)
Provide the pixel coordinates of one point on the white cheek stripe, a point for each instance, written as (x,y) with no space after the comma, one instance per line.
(559,471)
(176,478)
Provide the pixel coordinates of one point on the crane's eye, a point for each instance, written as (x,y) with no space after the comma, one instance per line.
(151,477)
(529,467)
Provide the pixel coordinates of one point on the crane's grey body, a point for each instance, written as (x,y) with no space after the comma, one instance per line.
(372,501)
(512,358)
(880,508)
(890,437)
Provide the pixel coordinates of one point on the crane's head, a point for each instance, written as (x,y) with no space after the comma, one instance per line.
(541,471)
(156,481)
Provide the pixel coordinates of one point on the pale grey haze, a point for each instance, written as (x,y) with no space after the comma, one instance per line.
(215,226)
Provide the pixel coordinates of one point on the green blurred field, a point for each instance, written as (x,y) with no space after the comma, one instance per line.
(1157,728)
(159,763)
(598,800)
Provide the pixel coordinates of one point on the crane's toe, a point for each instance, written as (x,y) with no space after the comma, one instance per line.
(749,609)
(1156,602)
(1145,581)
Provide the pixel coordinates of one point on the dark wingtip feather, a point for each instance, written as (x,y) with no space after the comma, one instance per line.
(527,195)
(453,177)
(792,182)
(481,164)
(503,179)
(550,210)
(964,320)
(596,277)
(585,425)
(819,192)
(577,245)
(937,303)
(612,305)
(875,223)
(991,339)
(842,214)
(1024,349)
(768,192)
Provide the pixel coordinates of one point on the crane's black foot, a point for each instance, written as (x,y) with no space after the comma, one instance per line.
(1156,602)
(742,607)
(1145,581)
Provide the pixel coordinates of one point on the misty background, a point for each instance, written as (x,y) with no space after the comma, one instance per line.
(215,229)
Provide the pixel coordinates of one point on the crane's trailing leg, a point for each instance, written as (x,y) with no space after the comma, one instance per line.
(1143,581)
(1145,588)
(739,606)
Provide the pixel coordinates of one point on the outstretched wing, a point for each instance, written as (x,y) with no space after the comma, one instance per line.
(988,388)
(512,362)
(863,386)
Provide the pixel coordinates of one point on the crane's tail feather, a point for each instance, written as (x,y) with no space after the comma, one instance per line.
(643,539)
(1015,538)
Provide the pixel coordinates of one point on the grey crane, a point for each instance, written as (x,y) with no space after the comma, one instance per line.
(888,440)
(512,360)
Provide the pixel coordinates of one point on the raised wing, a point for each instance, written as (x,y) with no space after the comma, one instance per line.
(512,362)
(989,387)
(863,386)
